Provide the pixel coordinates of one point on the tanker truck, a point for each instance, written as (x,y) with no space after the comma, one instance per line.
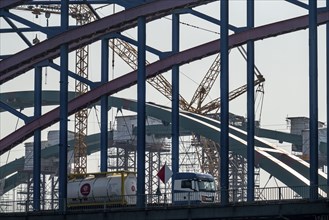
(99,189)
(119,188)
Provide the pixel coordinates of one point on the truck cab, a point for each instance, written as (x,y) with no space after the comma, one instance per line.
(193,188)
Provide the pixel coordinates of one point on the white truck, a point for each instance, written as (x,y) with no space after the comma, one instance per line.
(193,188)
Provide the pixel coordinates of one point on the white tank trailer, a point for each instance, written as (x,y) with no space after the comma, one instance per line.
(110,188)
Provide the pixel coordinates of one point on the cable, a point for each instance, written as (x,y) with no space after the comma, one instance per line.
(260,104)
(103,6)
(97,118)
(261,192)
(196,27)
(244,53)
(8,155)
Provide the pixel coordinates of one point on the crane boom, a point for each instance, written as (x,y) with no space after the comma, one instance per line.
(206,84)
(215,104)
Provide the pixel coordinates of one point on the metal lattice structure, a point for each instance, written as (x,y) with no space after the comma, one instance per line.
(83,16)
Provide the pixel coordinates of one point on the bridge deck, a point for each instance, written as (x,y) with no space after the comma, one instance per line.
(301,209)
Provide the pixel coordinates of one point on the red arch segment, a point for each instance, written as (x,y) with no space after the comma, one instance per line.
(155,68)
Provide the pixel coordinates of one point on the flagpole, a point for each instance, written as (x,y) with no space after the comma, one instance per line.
(164,175)
(165,182)
(165,194)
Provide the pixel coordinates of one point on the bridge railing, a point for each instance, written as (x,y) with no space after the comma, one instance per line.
(267,194)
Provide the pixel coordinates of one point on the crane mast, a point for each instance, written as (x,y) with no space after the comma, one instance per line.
(83,16)
(206,84)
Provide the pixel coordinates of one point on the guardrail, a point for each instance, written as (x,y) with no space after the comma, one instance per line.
(268,194)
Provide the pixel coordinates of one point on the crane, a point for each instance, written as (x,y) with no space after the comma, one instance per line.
(83,15)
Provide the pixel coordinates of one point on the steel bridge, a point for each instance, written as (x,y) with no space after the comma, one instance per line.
(64,38)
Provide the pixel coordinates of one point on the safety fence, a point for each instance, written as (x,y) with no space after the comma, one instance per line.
(162,200)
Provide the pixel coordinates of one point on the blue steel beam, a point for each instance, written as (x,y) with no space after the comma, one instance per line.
(13,111)
(250,105)
(158,67)
(104,104)
(313,98)
(28,23)
(175,101)
(224,110)
(63,111)
(299,3)
(37,138)
(19,32)
(141,115)
(327,84)
(75,76)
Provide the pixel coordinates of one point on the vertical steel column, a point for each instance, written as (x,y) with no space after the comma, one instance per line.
(313,96)
(327,58)
(37,138)
(62,178)
(175,100)
(250,106)
(104,105)
(141,112)
(224,112)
